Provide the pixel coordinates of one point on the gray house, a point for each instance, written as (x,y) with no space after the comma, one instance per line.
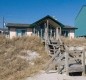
(48,25)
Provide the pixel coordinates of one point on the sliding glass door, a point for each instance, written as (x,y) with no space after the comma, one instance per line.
(21,32)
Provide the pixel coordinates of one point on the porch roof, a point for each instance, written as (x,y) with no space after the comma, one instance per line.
(44,19)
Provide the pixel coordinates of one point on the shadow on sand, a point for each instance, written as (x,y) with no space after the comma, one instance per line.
(77,73)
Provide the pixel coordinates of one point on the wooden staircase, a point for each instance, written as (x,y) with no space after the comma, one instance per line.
(65,59)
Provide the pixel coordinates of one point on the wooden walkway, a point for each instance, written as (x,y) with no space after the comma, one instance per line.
(65,59)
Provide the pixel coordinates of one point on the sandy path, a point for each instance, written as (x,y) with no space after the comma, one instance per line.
(55,76)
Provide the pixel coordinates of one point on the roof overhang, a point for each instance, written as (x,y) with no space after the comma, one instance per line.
(69,27)
(17,25)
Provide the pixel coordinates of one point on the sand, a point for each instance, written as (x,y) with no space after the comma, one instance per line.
(55,76)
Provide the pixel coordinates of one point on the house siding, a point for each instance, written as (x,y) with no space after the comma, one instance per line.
(71,34)
(12,33)
(29,31)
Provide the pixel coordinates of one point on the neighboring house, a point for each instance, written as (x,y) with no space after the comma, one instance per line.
(1,31)
(4,31)
(45,25)
(80,21)
(83,36)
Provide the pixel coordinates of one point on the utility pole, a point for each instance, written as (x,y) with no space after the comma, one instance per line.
(3,25)
(3,22)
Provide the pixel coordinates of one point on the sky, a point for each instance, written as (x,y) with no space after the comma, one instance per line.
(28,11)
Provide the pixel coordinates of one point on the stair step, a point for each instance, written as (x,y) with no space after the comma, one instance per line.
(52,71)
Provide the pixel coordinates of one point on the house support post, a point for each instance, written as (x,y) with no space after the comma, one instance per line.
(38,34)
(46,36)
(57,34)
(34,31)
(51,33)
(60,31)
(54,35)
(47,30)
(41,34)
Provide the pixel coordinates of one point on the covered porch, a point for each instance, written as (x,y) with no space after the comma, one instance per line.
(47,29)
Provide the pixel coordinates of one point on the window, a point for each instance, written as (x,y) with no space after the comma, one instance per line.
(0,32)
(21,32)
(51,31)
(65,33)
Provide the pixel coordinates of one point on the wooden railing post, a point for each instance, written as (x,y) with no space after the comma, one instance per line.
(66,63)
(83,63)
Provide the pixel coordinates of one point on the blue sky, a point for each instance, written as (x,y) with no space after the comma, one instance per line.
(28,11)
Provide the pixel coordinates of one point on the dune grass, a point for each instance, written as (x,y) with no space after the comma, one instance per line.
(14,68)
(74,41)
